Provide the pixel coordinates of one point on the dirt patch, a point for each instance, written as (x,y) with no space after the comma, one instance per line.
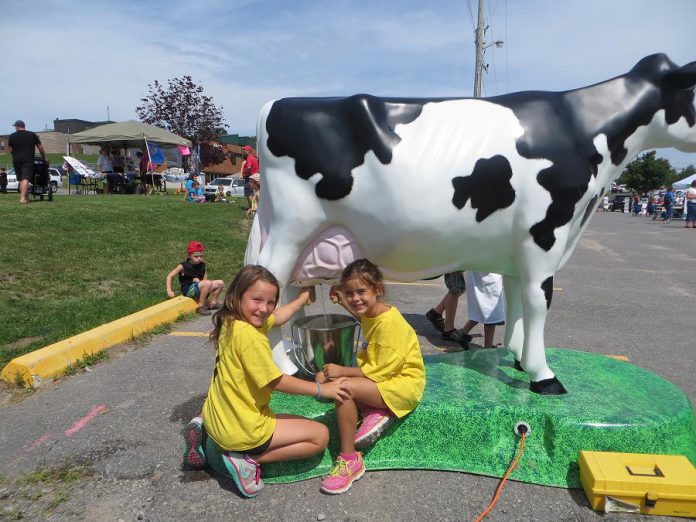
(105,287)
(20,343)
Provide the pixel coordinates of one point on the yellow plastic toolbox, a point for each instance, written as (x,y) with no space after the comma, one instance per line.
(630,482)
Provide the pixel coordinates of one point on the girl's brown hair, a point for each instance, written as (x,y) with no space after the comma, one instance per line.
(367,272)
(231,307)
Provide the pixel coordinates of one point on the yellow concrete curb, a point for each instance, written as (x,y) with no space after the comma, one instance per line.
(48,362)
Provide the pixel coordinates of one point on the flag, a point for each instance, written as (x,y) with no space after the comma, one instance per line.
(156,154)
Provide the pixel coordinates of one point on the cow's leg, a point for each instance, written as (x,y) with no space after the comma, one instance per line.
(514,326)
(536,298)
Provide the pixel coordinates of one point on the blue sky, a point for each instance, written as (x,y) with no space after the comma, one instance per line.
(72,59)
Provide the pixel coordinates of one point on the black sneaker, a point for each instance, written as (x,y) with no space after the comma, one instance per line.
(457,336)
(436,320)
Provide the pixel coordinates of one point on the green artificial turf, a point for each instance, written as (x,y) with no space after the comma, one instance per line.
(473,400)
(77,262)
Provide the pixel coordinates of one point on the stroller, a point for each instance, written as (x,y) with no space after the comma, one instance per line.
(41,185)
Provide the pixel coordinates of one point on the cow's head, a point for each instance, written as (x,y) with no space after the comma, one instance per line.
(677,89)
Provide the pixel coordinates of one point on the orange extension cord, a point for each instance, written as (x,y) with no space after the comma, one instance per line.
(502,482)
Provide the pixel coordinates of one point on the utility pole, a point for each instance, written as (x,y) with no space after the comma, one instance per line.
(479,51)
(481,46)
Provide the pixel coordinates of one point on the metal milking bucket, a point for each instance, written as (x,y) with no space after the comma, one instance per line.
(321,339)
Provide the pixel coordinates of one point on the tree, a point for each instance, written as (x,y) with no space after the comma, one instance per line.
(647,173)
(182,108)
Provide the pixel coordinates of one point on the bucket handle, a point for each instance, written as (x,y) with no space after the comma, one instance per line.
(357,343)
(299,353)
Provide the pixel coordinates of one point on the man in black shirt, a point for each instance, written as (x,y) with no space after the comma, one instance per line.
(22,143)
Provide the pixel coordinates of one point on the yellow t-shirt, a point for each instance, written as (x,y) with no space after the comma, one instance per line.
(236,413)
(392,358)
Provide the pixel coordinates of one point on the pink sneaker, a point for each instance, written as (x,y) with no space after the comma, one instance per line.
(375,422)
(343,474)
(193,435)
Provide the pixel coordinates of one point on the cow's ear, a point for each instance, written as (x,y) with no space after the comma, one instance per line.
(682,78)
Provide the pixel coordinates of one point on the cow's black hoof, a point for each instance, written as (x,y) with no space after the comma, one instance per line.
(518,366)
(550,386)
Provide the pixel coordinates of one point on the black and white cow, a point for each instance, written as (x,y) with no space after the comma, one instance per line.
(422,187)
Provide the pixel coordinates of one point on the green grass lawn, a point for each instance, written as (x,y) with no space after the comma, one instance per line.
(77,262)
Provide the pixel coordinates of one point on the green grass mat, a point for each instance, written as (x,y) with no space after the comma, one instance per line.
(473,400)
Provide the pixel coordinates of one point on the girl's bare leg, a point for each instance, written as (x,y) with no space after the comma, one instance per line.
(295,437)
(363,391)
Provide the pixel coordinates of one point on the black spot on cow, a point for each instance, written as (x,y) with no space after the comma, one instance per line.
(547,287)
(488,187)
(561,127)
(330,136)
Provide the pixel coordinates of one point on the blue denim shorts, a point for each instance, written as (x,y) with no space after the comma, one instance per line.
(192,291)
(691,211)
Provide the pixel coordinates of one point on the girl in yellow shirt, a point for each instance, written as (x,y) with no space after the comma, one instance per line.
(238,431)
(389,379)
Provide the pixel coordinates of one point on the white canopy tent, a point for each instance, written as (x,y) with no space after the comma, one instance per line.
(684,183)
(131,133)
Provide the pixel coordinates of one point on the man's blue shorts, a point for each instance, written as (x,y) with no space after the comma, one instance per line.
(192,291)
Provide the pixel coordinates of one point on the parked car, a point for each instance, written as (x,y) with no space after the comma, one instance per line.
(13,185)
(233,187)
(620,202)
(60,169)
(56,178)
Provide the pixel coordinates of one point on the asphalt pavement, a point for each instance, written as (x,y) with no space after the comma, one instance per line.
(629,289)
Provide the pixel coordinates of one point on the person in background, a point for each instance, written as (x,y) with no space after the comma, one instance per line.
(193,278)
(255,180)
(650,208)
(3,180)
(22,143)
(637,205)
(119,164)
(106,168)
(250,166)
(691,206)
(143,168)
(456,286)
(668,204)
(605,203)
(485,302)
(195,194)
(219,196)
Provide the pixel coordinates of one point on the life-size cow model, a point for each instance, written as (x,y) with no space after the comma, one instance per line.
(422,187)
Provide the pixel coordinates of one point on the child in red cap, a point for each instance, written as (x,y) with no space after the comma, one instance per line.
(193,277)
